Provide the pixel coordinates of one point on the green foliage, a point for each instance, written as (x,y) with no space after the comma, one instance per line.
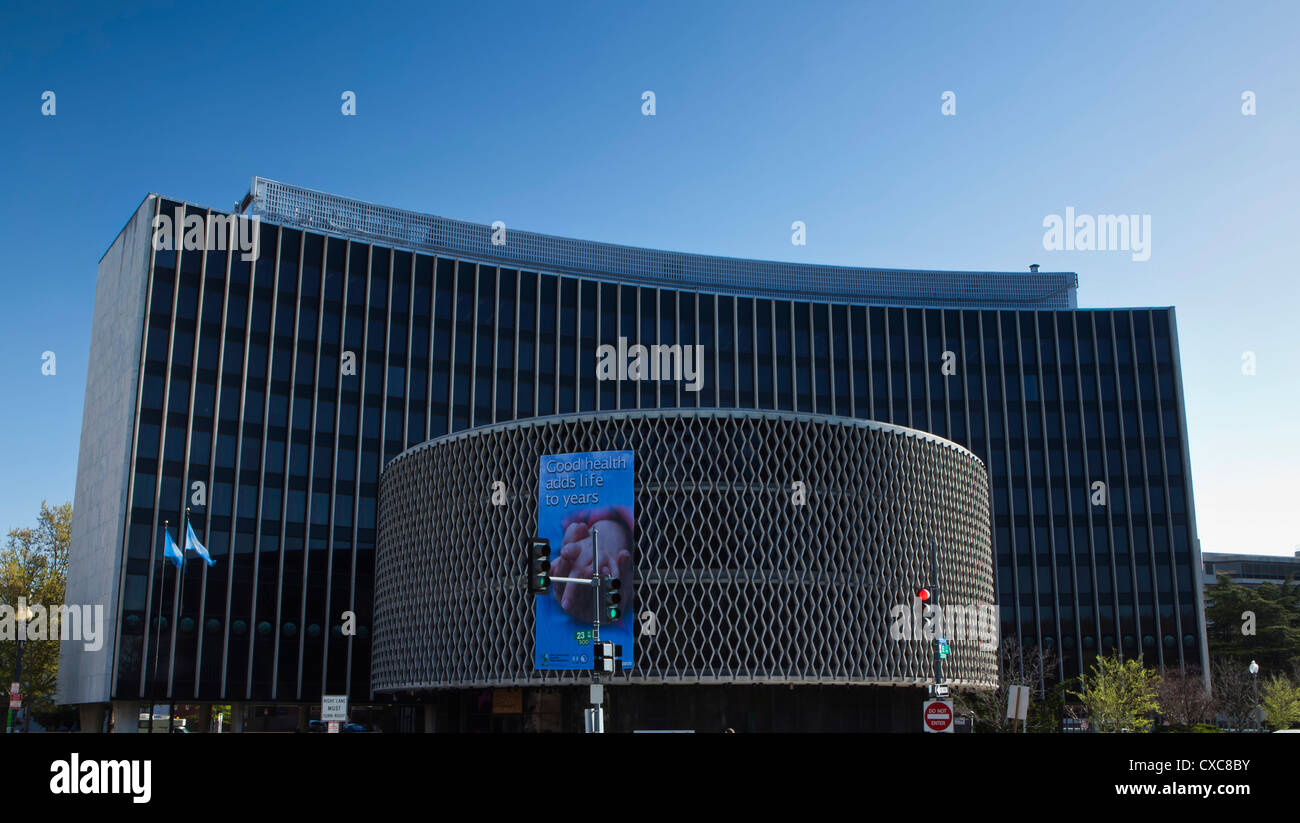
(1119,695)
(1195,728)
(1281,702)
(1275,645)
(34,566)
(1045,714)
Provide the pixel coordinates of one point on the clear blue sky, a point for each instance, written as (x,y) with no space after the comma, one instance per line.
(766,113)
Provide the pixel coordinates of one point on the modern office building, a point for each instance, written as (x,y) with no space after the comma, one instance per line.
(268,394)
(1250,569)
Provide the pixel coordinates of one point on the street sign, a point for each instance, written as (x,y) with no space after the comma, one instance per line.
(334,708)
(333,727)
(937,715)
(1018,703)
(15,700)
(940,690)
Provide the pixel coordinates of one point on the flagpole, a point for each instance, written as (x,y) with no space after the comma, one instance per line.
(157,634)
(180,605)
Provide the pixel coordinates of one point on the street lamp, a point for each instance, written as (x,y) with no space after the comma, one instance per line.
(1254,679)
(22,618)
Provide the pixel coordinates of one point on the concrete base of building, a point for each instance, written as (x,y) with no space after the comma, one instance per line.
(92,717)
(694,708)
(203,722)
(126,716)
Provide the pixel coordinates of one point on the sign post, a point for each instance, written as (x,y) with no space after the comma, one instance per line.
(15,704)
(937,716)
(333,711)
(1017,705)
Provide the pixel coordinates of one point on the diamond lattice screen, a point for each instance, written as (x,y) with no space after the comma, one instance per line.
(745,586)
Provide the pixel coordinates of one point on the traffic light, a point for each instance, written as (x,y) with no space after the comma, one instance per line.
(618,659)
(928,628)
(539,565)
(603,659)
(610,598)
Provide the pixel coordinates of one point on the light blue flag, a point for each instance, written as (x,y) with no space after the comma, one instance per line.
(192,544)
(171,551)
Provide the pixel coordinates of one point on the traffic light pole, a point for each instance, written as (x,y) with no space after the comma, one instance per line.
(595,712)
(595,600)
(934,587)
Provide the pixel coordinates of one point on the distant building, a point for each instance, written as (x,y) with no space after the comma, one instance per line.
(1249,569)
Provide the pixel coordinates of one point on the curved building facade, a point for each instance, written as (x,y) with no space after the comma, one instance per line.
(771,548)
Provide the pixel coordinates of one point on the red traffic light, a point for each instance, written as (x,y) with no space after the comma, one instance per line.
(923,595)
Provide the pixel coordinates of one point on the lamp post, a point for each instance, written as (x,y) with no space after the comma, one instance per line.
(22,618)
(1254,679)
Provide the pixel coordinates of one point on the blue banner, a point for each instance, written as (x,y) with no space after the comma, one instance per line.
(580,494)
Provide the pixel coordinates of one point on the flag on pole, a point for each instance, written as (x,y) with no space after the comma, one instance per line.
(171,551)
(192,544)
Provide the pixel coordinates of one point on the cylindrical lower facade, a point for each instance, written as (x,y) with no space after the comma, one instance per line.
(769,548)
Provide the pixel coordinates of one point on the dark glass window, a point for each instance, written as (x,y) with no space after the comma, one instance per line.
(463,345)
(546,346)
(784,347)
(568,382)
(803,364)
(527,358)
(608,336)
(628,313)
(485,345)
(587,343)
(440,390)
(727,332)
(747,360)
(505,345)
(707,396)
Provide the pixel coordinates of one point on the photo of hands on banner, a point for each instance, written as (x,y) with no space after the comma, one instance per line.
(582,495)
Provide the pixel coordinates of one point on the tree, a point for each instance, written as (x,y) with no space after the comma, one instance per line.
(1183,699)
(1017,666)
(1281,702)
(1119,695)
(1274,611)
(34,567)
(1234,692)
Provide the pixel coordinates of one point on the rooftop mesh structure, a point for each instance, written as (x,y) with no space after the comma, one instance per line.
(746,586)
(343,216)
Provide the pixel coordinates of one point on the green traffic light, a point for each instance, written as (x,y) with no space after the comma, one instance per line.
(613,614)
